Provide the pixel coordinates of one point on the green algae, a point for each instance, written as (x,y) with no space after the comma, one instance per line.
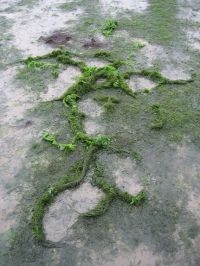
(175,134)
(109,27)
(108,102)
(86,83)
(159,23)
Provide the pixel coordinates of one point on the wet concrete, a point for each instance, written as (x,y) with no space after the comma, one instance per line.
(193,36)
(140,83)
(13,145)
(90,108)
(8,207)
(65,80)
(92,122)
(141,256)
(123,172)
(67,207)
(175,73)
(115,6)
(15,102)
(96,63)
(165,230)
(40,20)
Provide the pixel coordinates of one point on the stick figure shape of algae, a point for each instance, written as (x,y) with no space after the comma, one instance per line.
(87,82)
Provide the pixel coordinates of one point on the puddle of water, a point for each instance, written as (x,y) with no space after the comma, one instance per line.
(32,23)
(140,83)
(136,5)
(64,212)
(65,80)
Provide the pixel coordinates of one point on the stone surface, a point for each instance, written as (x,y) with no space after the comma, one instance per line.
(64,81)
(123,171)
(93,111)
(140,83)
(67,207)
(136,5)
(175,73)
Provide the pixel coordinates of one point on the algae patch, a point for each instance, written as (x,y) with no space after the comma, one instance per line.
(70,98)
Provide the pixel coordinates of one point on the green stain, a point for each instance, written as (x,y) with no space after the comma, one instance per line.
(158,25)
(162,18)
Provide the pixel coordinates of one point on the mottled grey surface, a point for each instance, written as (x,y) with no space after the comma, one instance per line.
(163,231)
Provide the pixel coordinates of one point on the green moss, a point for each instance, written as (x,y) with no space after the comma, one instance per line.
(87,82)
(100,141)
(111,192)
(104,99)
(159,120)
(44,201)
(138,45)
(106,55)
(62,146)
(101,207)
(159,24)
(138,200)
(164,117)
(109,26)
(34,78)
(137,156)
(73,179)
(175,137)
(146,91)
(108,102)
(107,188)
